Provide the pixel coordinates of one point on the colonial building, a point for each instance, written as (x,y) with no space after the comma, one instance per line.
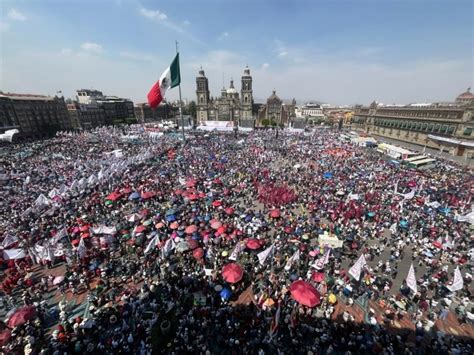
(144,113)
(447,127)
(115,109)
(274,113)
(229,106)
(35,116)
(86,116)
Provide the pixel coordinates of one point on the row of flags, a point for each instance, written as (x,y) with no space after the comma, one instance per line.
(458,283)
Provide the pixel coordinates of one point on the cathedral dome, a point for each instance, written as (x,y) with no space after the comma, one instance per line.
(231,91)
(466,96)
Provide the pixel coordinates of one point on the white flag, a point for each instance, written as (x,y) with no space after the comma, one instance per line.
(81,248)
(42,200)
(27,180)
(290,262)
(322,261)
(395,190)
(9,240)
(59,235)
(262,256)
(168,247)
(356,269)
(237,250)
(74,185)
(151,245)
(411,279)
(13,254)
(458,282)
(409,195)
(53,193)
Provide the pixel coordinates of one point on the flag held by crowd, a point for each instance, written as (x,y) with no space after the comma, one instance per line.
(411,279)
(356,269)
(458,282)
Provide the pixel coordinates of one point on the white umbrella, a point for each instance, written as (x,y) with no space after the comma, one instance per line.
(58,279)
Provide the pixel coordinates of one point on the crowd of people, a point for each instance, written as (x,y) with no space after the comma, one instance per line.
(217,245)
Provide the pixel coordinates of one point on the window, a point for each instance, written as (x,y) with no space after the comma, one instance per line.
(451,129)
(467,131)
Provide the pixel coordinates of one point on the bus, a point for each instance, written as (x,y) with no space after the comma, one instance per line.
(415,158)
(421,164)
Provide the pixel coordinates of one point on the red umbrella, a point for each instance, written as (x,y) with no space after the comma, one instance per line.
(275,213)
(232,273)
(191,229)
(215,224)
(193,244)
(148,194)
(192,197)
(253,244)
(198,253)
(216,203)
(140,229)
(114,196)
(126,190)
(221,230)
(229,210)
(174,225)
(5,336)
(75,242)
(85,235)
(191,183)
(305,294)
(437,245)
(21,316)
(84,228)
(159,225)
(317,276)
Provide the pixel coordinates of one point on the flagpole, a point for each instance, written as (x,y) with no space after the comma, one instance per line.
(180,100)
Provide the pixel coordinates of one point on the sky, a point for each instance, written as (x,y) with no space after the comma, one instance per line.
(334,51)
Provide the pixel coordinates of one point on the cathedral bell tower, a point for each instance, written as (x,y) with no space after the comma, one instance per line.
(202,95)
(246,95)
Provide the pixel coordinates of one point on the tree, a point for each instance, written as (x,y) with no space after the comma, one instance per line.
(265,122)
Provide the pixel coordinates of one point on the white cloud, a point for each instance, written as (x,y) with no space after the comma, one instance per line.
(137,56)
(223,35)
(16,15)
(153,14)
(66,51)
(282,54)
(265,65)
(92,47)
(162,19)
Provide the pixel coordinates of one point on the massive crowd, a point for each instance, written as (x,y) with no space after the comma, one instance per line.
(216,246)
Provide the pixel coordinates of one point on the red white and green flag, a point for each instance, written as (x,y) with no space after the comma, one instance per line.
(170,78)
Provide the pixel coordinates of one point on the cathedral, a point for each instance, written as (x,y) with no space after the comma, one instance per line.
(229,106)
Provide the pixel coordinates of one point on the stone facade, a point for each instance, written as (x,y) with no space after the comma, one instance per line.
(35,116)
(229,106)
(446,127)
(274,113)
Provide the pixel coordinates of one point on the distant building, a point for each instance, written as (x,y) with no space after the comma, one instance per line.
(35,116)
(86,116)
(447,127)
(274,113)
(310,111)
(465,98)
(144,113)
(115,109)
(229,106)
(86,96)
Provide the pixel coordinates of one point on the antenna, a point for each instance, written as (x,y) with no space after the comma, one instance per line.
(223,85)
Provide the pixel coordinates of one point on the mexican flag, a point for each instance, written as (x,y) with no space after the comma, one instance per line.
(168,80)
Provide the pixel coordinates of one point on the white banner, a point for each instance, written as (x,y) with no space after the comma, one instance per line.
(262,256)
(458,282)
(356,269)
(411,279)
(13,254)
